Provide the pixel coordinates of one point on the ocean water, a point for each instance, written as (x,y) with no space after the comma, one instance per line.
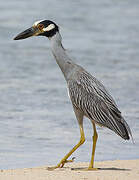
(37,122)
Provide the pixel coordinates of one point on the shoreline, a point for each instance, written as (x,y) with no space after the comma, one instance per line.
(115,170)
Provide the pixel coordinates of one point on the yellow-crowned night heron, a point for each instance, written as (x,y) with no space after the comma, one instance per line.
(88,96)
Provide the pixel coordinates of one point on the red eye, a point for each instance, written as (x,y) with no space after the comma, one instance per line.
(40,26)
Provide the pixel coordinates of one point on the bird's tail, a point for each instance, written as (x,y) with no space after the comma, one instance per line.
(127,130)
(121,126)
(123,129)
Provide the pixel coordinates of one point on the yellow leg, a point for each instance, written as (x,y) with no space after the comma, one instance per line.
(95,136)
(64,160)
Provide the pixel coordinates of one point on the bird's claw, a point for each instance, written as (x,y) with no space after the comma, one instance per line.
(67,161)
(52,168)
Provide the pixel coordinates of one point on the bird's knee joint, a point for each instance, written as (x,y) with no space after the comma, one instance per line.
(82,140)
(95,136)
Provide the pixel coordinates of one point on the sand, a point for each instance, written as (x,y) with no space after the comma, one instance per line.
(109,170)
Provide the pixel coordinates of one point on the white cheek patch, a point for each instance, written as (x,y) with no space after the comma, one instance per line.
(37,22)
(49,28)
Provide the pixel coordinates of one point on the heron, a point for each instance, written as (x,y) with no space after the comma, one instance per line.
(89,97)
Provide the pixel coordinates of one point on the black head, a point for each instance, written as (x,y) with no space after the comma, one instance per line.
(40,28)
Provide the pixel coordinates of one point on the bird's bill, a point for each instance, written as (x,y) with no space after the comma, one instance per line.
(33,31)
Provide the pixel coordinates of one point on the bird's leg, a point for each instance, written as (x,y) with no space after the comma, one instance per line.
(64,160)
(95,136)
(91,165)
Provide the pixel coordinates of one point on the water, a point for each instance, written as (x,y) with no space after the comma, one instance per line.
(37,123)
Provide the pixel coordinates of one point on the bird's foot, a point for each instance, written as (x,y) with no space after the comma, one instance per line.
(91,169)
(52,168)
(61,164)
(67,161)
(85,169)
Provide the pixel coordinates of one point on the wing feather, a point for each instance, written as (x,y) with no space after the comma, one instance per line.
(91,97)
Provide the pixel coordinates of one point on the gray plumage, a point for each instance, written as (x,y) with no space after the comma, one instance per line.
(88,95)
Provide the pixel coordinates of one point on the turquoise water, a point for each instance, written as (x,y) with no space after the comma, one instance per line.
(37,123)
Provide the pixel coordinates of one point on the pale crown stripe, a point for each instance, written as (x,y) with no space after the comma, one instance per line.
(50,27)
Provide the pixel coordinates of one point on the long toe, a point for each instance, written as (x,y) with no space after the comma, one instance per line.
(84,169)
(52,168)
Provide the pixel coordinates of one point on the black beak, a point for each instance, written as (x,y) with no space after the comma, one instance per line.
(27,33)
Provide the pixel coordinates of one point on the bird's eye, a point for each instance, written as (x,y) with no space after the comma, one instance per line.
(40,26)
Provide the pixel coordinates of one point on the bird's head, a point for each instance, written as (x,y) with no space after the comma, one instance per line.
(39,28)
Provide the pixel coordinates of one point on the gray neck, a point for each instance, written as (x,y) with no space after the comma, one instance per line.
(60,55)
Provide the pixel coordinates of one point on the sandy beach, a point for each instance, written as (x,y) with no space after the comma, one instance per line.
(115,170)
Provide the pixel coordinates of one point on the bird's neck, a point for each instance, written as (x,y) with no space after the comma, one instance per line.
(60,55)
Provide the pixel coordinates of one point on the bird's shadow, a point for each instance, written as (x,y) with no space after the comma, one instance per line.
(103,169)
(114,169)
